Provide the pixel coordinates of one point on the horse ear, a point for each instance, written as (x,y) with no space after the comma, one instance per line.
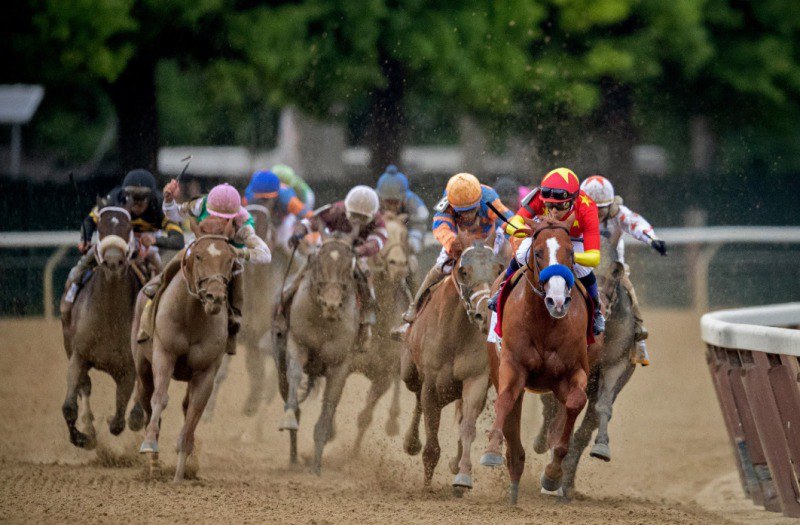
(100,202)
(195,228)
(229,230)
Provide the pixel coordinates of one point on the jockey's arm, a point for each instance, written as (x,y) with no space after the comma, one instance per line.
(292,204)
(256,250)
(172,236)
(178,212)
(418,215)
(89,226)
(444,230)
(374,241)
(635,225)
(590,226)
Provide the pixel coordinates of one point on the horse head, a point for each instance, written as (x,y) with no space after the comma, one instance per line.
(393,260)
(332,275)
(551,258)
(474,273)
(116,242)
(208,268)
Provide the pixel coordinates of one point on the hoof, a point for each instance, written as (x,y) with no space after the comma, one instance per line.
(412,447)
(148,446)
(540,445)
(513,493)
(136,419)
(556,494)
(289,421)
(490,459)
(463,480)
(81,440)
(601,451)
(549,484)
(116,426)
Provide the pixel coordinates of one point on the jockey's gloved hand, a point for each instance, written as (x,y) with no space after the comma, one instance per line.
(297,235)
(83,247)
(361,250)
(605,233)
(243,253)
(659,246)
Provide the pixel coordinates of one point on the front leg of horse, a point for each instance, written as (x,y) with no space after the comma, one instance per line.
(255,361)
(580,440)
(323,430)
(432,413)
(549,408)
(125,383)
(473,398)
(611,382)
(572,395)
(515,453)
(511,382)
(75,370)
(163,366)
(410,376)
(294,375)
(198,392)
(219,378)
(378,387)
(392,424)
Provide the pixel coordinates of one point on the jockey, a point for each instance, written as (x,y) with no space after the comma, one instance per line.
(266,189)
(221,204)
(359,215)
(463,215)
(616,219)
(301,188)
(560,197)
(139,195)
(396,197)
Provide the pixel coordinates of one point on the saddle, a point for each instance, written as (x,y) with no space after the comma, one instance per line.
(508,285)
(148,319)
(426,297)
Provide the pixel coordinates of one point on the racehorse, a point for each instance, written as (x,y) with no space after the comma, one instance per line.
(445,360)
(323,325)
(96,334)
(544,349)
(608,377)
(189,339)
(381,363)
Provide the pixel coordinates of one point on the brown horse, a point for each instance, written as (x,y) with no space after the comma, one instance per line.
(445,359)
(323,325)
(96,334)
(189,339)
(381,364)
(544,348)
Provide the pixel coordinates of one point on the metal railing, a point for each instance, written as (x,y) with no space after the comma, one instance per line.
(753,355)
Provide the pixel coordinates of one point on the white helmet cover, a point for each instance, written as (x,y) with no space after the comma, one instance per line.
(362,200)
(599,189)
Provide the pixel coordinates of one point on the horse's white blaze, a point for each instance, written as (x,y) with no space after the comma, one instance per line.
(556,286)
(334,256)
(213,251)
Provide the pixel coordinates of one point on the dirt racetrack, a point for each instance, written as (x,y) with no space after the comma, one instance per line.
(672,461)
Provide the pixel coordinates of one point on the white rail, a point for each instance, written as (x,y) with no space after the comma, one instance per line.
(756,328)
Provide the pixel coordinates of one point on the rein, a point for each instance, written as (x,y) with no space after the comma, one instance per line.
(462,292)
(538,287)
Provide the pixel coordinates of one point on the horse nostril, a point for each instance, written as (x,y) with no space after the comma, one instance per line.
(567,300)
(479,318)
(549,301)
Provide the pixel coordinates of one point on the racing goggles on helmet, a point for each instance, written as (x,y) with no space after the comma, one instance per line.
(361,218)
(560,206)
(556,194)
(137,193)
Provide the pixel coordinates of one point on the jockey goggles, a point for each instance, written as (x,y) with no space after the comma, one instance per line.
(137,193)
(557,194)
(560,206)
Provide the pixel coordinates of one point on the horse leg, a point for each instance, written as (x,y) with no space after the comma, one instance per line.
(410,376)
(125,382)
(323,430)
(163,366)
(141,411)
(612,380)
(580,440)
(432,413)
(511,380)
(255,362)
(473,395)
(392,425)
(459,413)
(549,409)
(197,393)
(378,387)
(87,418)
(222,373)
(76,369)
(295,361)
(515,453)
(572,396)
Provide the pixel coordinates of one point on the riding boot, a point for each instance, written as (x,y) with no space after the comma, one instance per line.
(590,283)
(639,355)
(74,284)
(512,268)
(434,275)
(152,290)
(235,302)
(369,306)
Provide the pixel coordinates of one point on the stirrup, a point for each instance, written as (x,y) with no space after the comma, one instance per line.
(599,323)
(492,304)
(640,355)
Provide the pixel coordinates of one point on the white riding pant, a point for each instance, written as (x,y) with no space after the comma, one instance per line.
(285,230)
(525,247)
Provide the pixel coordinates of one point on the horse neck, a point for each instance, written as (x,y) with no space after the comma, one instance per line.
(108,292)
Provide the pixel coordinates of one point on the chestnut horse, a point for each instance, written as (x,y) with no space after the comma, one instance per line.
(445,360)
(189,339)
(96,334)
(544,348)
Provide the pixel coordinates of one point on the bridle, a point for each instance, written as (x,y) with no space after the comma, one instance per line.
(200,287)
(127,246)
(467,296)
(538,287)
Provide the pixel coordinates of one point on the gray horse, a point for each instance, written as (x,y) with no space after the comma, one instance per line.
(608,377)
(323,325)
(97,333)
